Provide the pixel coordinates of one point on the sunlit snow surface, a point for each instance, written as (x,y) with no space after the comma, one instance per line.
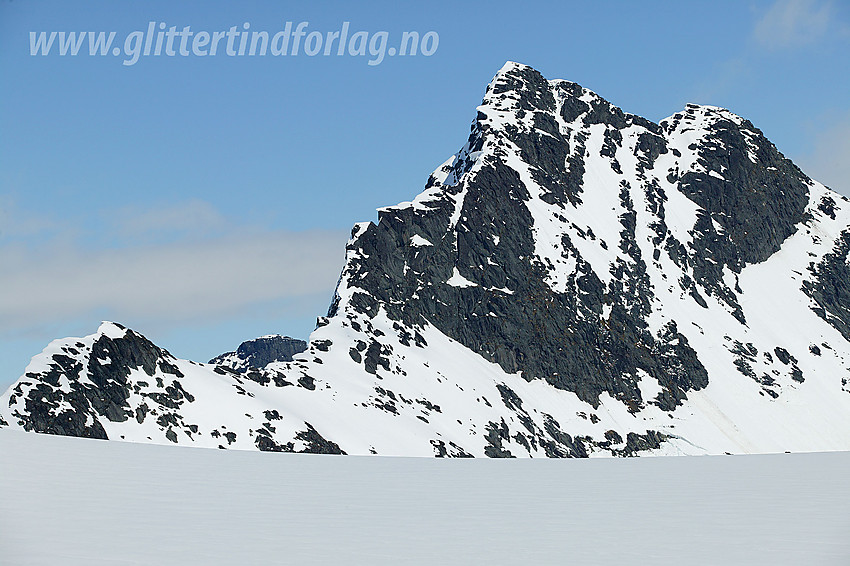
(76,501)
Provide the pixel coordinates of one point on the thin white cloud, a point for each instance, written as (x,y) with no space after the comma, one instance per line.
(187,219)
(18,225)
(829,159)
(794,23)
(188,279)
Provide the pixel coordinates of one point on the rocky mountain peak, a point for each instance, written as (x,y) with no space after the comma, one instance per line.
(498,253)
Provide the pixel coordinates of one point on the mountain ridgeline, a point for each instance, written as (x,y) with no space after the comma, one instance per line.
(575,281)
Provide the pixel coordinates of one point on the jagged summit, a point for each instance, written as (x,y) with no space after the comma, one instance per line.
(574,281)
(525,80)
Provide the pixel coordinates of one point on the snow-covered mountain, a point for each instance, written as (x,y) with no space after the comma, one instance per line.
(575,281)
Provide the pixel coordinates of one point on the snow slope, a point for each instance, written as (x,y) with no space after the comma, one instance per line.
(74,501)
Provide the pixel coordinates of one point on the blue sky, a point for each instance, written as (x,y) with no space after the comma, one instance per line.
(207,200)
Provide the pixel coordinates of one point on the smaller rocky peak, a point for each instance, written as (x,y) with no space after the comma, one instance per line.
(742,182)
(260,352)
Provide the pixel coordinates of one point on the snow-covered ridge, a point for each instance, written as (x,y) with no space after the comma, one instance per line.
(574,281)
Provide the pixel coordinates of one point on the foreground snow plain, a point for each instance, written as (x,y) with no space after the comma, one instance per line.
(78,501)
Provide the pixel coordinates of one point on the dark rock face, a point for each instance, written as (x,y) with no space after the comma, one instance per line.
(316,443)
(752,199)
(529,328)
(830,287)
(759,200)
(260,352)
